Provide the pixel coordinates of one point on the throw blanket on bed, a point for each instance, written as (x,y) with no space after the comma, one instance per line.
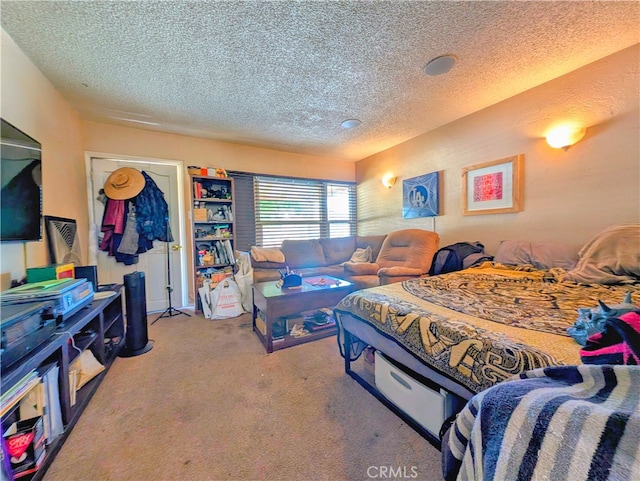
(569,423)
(482,325)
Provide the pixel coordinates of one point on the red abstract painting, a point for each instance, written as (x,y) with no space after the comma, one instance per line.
(488,187)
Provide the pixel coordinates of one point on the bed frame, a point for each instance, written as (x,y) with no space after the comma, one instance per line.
(420,372)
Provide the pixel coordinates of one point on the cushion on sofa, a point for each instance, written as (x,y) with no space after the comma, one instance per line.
(361,268)
(338,249)
(375,241)
(361,255)
(364,281)
(267,265)
(303,253)
(267,254)
(409,248)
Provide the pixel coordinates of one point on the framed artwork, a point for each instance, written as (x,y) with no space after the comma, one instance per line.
(62,240)
(493,187)
(421,196)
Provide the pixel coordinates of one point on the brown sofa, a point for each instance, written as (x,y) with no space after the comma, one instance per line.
(314,257)
(399,255)
(405,254)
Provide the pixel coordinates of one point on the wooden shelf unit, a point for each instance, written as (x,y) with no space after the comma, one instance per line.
(96,326)
(212,223)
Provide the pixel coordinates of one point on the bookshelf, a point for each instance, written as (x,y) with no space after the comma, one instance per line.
(44,375)
(212,218)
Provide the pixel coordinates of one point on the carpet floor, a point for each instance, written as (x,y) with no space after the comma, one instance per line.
(208,403)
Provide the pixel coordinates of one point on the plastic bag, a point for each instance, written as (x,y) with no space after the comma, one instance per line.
(244,278)
(205,299)
(226,300)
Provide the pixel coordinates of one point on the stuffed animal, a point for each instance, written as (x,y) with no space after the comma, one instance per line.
(618,343)
(592,321)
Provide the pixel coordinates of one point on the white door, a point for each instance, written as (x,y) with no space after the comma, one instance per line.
(154,263)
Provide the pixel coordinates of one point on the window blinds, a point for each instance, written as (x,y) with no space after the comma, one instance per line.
(291,208)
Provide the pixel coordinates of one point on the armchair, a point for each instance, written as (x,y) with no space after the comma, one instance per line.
(404,254)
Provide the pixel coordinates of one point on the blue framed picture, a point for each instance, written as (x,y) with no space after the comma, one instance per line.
(421,196)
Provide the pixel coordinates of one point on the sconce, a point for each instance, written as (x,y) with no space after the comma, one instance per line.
(565,136)
(388,180)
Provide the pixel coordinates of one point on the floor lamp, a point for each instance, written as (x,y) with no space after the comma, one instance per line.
(169,311)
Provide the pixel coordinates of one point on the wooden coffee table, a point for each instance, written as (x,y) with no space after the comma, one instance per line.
(272,303)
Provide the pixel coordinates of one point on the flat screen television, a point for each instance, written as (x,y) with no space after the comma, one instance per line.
(21,185)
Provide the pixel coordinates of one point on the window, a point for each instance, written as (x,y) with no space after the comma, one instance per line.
(289,208)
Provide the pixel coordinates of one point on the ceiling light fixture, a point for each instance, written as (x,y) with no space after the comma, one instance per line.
(350,123)
(440,65)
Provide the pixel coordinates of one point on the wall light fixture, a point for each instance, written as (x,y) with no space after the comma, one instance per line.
(564,136)
(388,180)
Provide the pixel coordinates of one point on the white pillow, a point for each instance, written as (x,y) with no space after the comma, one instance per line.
(362,255)
(267,254)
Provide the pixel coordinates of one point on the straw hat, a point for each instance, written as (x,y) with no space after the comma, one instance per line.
(124,183)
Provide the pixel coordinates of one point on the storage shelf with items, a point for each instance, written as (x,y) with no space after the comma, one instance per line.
(40,393)
(212,227)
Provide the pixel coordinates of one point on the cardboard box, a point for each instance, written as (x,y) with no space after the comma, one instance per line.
(200,215)
(48,273)
(25,446)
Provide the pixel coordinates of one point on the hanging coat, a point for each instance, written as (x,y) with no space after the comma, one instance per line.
(112,223)
(113,228)
(152,214)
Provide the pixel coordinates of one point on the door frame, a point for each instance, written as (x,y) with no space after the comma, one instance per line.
(179,166)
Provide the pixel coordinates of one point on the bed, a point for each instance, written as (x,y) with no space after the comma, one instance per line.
(469,330)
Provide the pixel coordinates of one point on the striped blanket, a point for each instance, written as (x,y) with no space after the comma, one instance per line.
(568,423)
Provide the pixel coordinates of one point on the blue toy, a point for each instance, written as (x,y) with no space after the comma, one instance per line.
(592,320)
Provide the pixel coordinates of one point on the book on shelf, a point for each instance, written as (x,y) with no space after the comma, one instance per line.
(197,190)
(14,394)
(229,251)
(221,253)
(53,425)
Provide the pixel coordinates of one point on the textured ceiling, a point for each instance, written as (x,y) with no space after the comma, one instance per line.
(283,75)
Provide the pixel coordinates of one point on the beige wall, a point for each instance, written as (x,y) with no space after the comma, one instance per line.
(203,152)
(30,102)
(568,195)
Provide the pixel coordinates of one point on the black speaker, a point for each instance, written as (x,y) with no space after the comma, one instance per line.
(137,336)
(87,272)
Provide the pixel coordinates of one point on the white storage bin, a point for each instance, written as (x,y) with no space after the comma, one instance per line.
(427,407)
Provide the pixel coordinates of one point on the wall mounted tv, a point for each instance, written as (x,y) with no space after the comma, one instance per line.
(21,185)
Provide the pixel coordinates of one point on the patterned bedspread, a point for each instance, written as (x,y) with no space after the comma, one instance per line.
(483,325)
(572,423)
